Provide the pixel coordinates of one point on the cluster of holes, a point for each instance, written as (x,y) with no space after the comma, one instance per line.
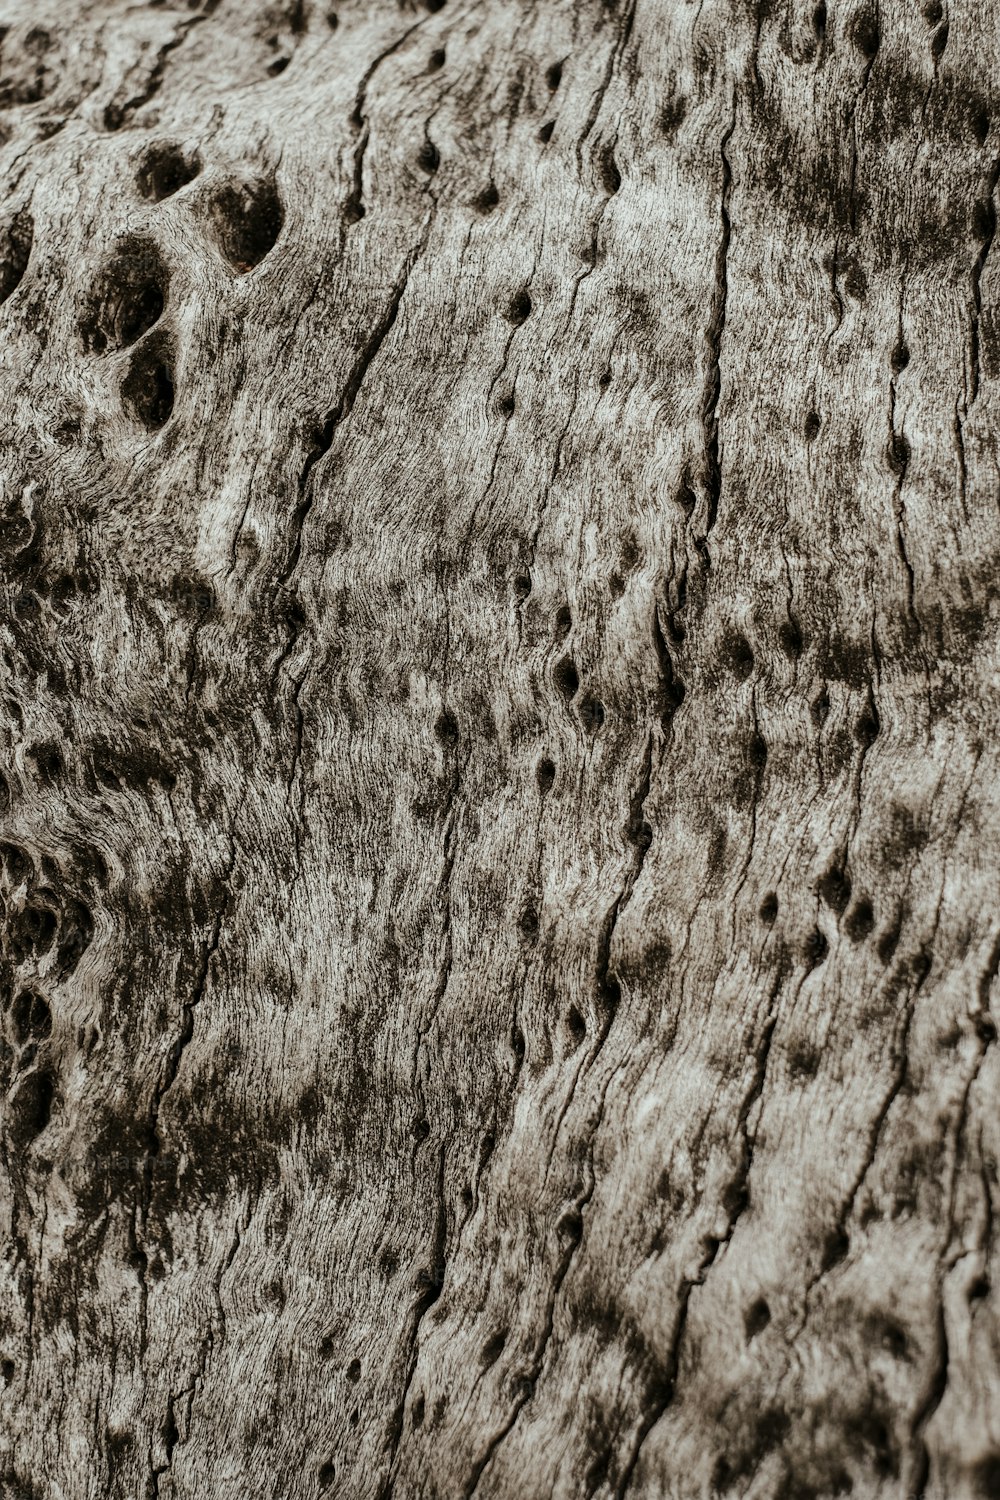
(123,311)
(29,934)
(37,918)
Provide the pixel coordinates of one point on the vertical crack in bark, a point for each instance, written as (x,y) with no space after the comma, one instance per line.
(554,474)
(986,1180)
(835,287)
(435,1278)
(735,1200)
(609,992)
(759,768)
(321,443)
(863,751)
(451,803)
(597,101)
(444,893)
(117,115)
(190,1006)
(932,1400)
(958,428)
(640,836)
(920,968)
(594,253)
(171,1437)
(986,1031)
(359,119)
(986,1035)
(574,1241)
(988,229)
(986,224)
(852,198)
(337,416)
(899,459)
(759,12)
(713,339)
(671,694)
(433,1281)
(227,1265)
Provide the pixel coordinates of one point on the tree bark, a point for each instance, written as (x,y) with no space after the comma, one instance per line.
(500,823)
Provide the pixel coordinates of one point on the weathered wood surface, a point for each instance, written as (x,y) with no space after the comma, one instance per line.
(500,530)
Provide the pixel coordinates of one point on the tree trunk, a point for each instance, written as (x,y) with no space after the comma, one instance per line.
(501,823)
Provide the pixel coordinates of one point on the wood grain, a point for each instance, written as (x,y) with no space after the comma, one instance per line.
(501,819)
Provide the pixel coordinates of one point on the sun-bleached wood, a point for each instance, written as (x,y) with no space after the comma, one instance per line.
(501,823)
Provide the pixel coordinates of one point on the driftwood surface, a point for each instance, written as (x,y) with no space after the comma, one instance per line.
(500,821)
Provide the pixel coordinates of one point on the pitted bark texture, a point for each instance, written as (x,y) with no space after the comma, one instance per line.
(501,824)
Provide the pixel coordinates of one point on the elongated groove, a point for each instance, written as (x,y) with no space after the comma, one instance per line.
(666,1379)
(335,418)
(989,229)
(713,338)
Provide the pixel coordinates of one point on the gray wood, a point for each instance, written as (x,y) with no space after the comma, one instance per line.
(499,681)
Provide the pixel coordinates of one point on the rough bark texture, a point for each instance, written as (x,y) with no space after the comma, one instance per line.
(501,823)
